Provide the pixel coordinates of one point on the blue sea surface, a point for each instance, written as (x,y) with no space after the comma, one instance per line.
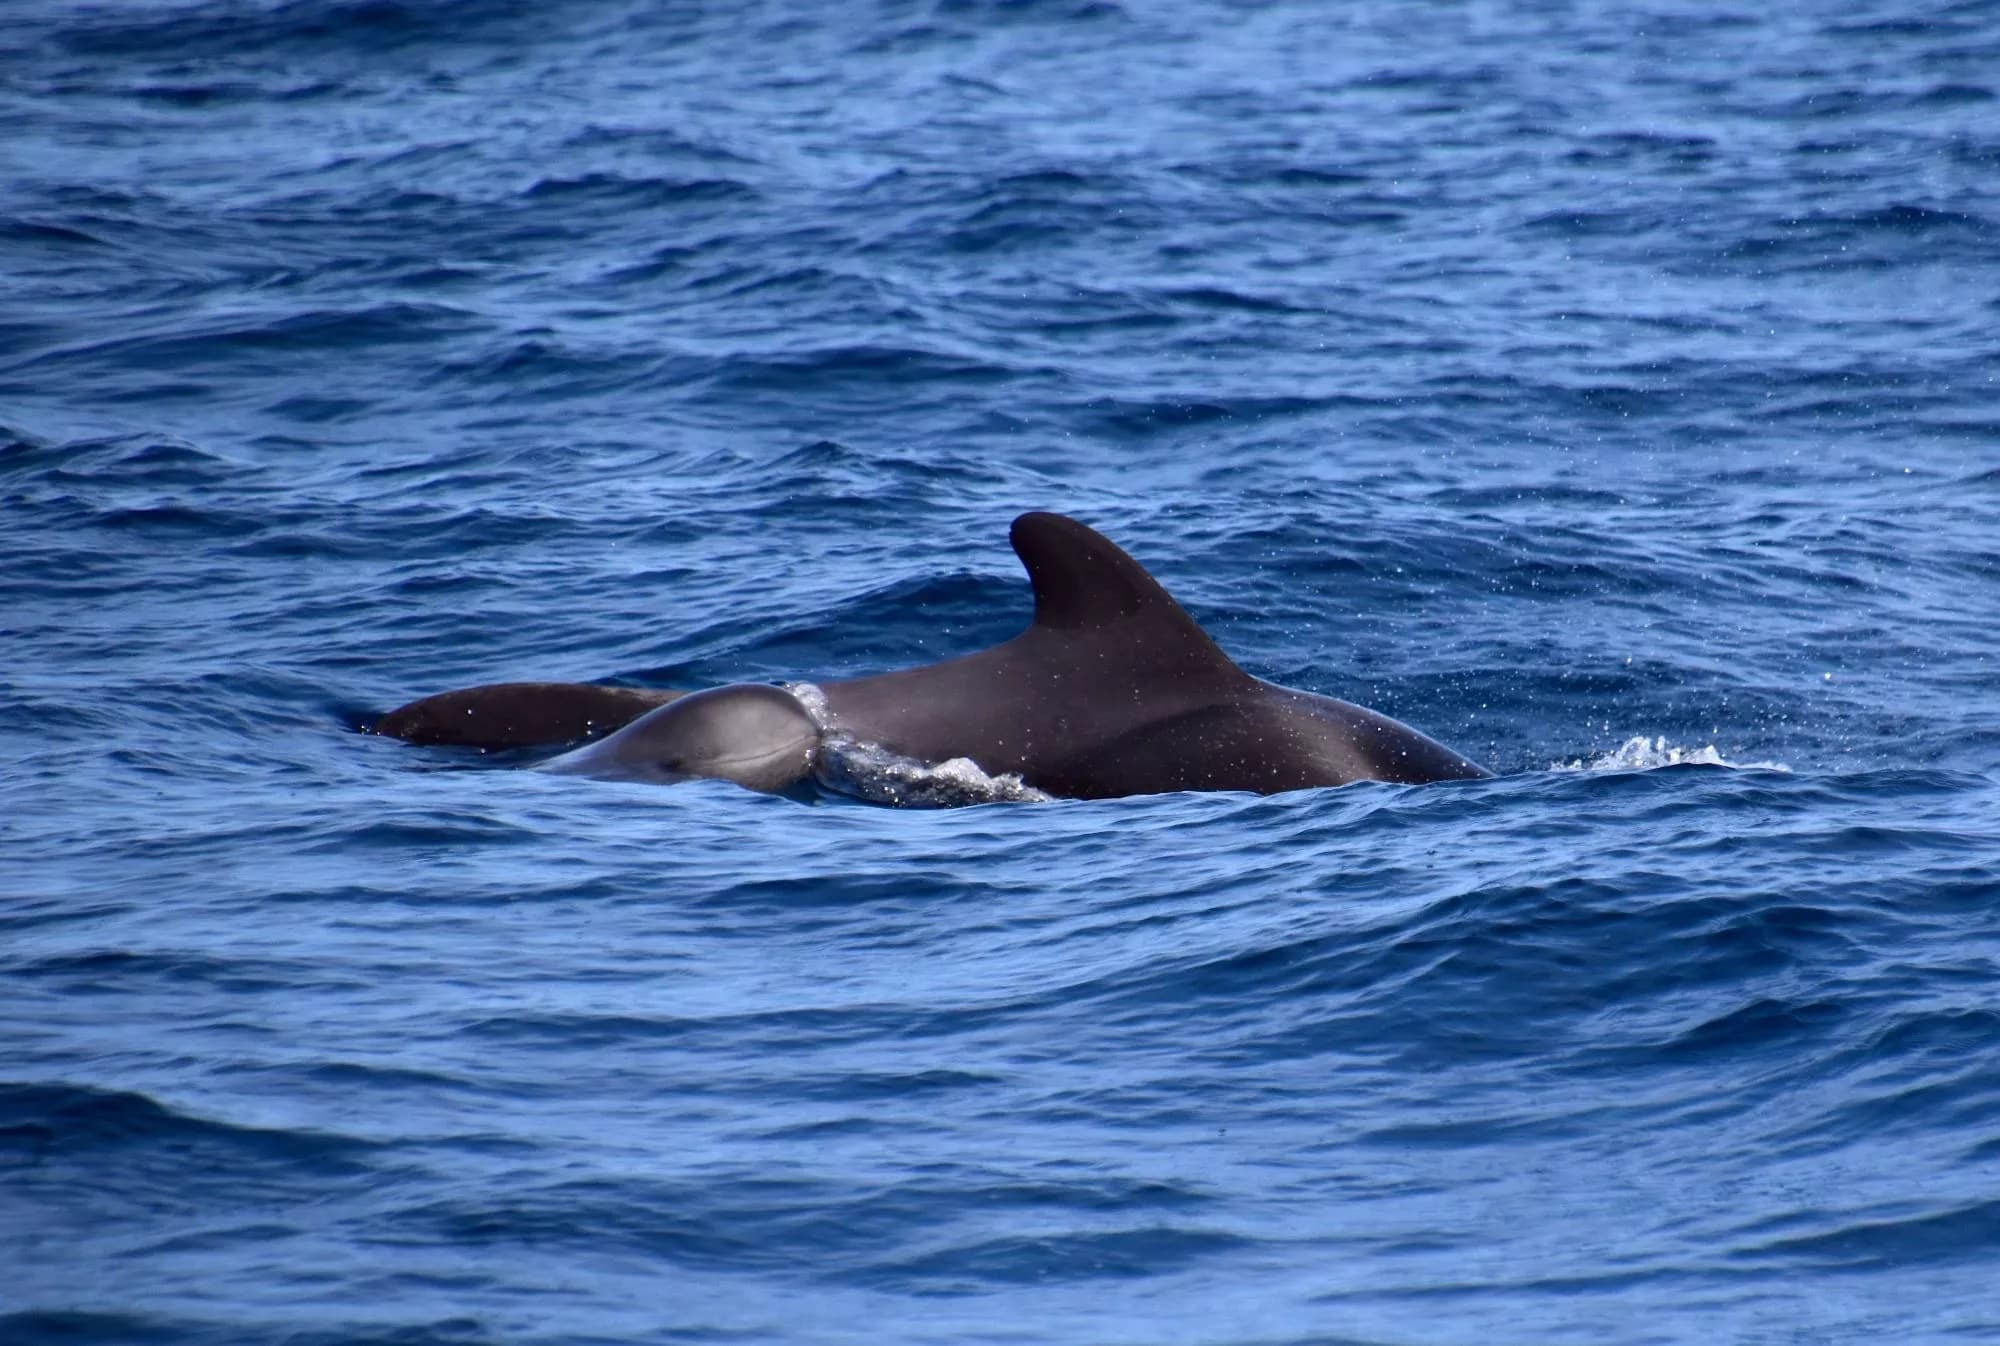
(1611,392)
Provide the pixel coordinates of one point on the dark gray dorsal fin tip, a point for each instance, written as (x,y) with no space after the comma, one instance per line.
(1084,582)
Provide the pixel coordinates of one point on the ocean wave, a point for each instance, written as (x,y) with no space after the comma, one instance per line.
(40,1123)
(1538,381)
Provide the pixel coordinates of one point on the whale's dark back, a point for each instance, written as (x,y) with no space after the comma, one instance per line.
(1115,690)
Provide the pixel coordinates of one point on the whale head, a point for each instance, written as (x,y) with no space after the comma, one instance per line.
(750,733)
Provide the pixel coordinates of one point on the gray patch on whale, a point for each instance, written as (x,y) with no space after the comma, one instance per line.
(750,733)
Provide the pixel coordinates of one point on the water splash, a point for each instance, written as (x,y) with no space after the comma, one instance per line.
(1642,753)
(871,772)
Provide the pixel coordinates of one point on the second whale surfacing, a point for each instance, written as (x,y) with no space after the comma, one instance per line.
(1112,690)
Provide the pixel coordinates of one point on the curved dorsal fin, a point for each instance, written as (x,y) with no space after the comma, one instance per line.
(1083,583)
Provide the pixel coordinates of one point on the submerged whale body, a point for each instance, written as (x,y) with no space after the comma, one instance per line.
(1112,690)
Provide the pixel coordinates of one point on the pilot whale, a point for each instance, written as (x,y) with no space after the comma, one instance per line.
(1111,690)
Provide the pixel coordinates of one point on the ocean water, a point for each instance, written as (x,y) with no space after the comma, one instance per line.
(1610,392)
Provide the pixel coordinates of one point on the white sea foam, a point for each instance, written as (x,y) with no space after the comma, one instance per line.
(871,772)
(868,771)
(1642,753)
(809,695)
